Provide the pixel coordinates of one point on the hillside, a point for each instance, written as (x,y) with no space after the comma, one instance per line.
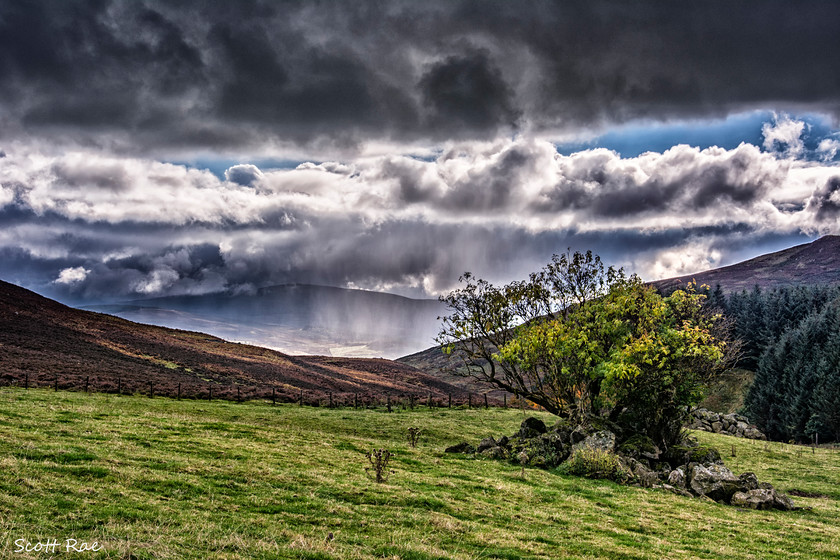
(298,319)
(43,339)
(815,263)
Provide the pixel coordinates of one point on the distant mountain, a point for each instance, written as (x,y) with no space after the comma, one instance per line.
(815,263)
(299,319)
(41,338)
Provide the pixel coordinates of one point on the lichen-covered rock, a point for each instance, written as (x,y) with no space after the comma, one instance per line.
(545,450)
(715,481)
(782,501)
(677,477)
(762,498)
(754,499)
(704,455)
(683,454)
(748,481)
(601,440)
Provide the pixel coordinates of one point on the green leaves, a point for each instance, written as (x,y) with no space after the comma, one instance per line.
(580,340)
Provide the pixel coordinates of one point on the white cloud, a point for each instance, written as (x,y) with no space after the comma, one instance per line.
(784,135)
(828,149)
(243,174)
(72,275)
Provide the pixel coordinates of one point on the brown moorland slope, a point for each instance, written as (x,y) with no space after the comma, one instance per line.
(42,340)
(810,264)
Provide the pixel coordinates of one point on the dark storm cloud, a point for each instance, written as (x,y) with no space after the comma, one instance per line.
(239,74)
(467,91)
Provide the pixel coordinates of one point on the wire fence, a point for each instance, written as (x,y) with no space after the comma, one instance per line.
(276,394)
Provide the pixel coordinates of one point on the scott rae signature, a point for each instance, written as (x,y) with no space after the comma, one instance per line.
(52,546)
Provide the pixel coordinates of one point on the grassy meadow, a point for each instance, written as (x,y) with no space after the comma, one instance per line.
(159,478)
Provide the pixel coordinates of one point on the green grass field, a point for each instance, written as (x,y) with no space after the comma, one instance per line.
(158,478)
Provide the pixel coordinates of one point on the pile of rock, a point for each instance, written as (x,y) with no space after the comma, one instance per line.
(690,470)
(731,424)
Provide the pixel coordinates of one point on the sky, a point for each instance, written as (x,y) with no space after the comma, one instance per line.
(153,148)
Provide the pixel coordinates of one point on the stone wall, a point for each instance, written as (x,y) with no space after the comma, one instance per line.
(731,424)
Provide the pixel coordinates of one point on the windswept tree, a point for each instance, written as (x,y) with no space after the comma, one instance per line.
(582,340)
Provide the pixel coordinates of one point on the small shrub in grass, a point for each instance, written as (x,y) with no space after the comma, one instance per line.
(594,463)
(413,436)
(378,459)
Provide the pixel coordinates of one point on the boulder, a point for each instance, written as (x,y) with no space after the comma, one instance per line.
(640,446)
(677,478)
(462,447)
(601,440)
(531,427)
(578,435)
(493,453)
(640,472)
(782,501)
(748,481)
(562,427)
(683,454)
(545,450)
(486,443)
(715,481)
(754,433)
(762,498)
(675,490)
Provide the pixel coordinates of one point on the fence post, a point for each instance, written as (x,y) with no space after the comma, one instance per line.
(151,390)
(300,398)
(469,399)
(87,382)
(450,400)
(485,402)
(26,381)
(179,391)
(238,395)
(119,385)
(56,382)
(355,400)
(430,400)
(331,401)
(273,396)
(210,394)
(389,404)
